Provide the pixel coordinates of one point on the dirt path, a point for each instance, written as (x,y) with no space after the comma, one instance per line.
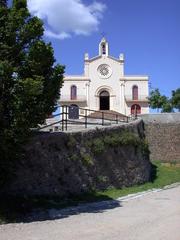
(153,216)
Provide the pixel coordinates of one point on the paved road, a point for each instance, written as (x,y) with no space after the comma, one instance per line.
(152,216)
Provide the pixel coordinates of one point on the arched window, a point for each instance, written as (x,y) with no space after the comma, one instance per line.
(135,109)
(73,92)
(135,93)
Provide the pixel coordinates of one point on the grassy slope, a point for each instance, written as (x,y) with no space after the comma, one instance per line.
(165,175)
(10,209)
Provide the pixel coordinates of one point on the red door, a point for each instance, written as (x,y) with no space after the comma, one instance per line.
(135,109)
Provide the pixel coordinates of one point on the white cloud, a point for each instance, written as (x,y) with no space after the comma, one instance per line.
(66,17)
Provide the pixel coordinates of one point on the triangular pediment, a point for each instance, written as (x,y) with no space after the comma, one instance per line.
(102,57)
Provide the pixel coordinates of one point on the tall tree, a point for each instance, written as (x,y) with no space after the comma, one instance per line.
(156,100)
(29,79)
(167,106)
(176,99)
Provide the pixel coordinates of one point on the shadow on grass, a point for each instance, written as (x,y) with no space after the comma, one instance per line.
(154,170)
(50,208)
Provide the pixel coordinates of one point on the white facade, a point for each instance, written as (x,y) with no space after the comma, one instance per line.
(104,86)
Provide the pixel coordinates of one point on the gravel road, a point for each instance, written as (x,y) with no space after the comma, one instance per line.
(155,215)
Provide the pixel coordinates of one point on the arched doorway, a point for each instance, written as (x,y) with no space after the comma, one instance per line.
(135,109)
(104,99)
(73,112)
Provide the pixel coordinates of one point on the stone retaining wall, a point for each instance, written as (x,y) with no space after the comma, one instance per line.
(163,135)
(72,163)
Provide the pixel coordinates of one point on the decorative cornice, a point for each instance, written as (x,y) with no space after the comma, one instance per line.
(99,57)
(134,78)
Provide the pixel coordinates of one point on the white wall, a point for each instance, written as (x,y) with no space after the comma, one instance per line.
(111,84)
(82,91)
(117,84)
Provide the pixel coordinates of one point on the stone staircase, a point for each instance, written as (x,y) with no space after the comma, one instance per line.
(108,115)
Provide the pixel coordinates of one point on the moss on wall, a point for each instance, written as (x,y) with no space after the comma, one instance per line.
(71,163)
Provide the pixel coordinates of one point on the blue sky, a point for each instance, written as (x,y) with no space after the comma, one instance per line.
(147,32)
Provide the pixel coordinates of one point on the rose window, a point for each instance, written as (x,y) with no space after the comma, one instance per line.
(104,71)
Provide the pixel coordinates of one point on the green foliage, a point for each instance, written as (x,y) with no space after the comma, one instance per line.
(125,138)
(93,148)
(29,79)
(129,138)
(98,146)
(144,147)
(102,179)
(176,99)
(86,159)
(156,100)
(71,142)
(74,157)
(167,106)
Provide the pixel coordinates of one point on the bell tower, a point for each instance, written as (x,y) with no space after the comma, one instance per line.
(103,47)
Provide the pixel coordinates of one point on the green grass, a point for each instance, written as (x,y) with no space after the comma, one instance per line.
(13,209)
(165,175)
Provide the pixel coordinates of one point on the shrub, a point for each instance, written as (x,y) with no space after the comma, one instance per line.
(72,142)
(86,159)
(98,146)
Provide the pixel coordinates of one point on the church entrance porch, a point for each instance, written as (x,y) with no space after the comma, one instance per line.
(104,99)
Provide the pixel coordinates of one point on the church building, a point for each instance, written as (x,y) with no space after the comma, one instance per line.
(105,86)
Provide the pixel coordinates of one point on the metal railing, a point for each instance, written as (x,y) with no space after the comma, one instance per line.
(85,117)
